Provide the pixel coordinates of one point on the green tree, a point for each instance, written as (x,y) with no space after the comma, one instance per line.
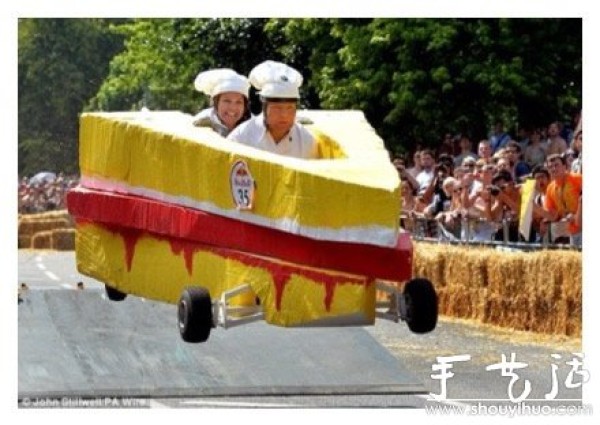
(62,63)
(163,56)
(418,78)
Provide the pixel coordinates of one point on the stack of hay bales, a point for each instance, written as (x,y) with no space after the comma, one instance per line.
(533,291)
(48,230)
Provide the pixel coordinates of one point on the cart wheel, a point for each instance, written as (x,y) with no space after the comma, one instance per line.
(421,305)
(114,294)
(194,314)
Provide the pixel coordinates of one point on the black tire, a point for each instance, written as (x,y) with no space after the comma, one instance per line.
(421,304)
(114,294)
(195,314)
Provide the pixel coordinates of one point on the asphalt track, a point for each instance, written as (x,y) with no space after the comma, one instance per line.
(74,342)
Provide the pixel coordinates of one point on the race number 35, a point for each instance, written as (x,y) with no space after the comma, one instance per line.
(242,185)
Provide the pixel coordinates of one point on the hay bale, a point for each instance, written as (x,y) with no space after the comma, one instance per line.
(63,239)
(29,226)
(533,291)
(42,240)
(428,262)
(24,241)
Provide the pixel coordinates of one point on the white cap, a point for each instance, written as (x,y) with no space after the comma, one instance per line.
(222,80)
(276,80)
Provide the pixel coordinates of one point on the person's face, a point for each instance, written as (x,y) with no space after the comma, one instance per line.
(556,168)
(417,159)
(485,151)
(426,161)
(503,164)
(579,142)
(230,108)
(541,182)
(405,189)
(553,130)
(280,116)
(465,144)
(512,154)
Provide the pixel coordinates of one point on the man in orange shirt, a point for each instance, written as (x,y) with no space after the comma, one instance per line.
(562,198)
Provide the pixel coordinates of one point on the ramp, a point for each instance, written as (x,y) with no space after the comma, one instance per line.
(77,343)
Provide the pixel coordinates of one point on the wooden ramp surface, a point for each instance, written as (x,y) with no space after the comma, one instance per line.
(77,343)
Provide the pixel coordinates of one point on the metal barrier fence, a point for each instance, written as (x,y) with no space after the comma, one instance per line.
(467,231)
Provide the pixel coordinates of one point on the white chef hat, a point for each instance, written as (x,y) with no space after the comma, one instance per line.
(217,81)
(276,80)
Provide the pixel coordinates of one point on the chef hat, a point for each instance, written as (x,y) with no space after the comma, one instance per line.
(276,80)
(217,81)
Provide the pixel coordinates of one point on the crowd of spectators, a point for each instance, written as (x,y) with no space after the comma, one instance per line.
(44,192)
(455,193)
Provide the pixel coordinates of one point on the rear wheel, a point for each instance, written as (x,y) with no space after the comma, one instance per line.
(114,294)
(195,314)
(421,305)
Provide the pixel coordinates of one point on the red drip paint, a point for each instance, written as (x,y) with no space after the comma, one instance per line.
(130,238)
(281,273)
(188,248)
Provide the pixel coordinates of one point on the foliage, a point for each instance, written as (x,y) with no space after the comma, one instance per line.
(62,63)
(415,79)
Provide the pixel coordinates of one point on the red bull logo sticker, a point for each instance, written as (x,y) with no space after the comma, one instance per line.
(242,185)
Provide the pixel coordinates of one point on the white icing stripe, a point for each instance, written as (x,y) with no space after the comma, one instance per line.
(372,235)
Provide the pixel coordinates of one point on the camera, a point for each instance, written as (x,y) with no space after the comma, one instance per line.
(494,190)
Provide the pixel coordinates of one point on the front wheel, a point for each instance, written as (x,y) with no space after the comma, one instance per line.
(421,305)
(195,314)
(114,294)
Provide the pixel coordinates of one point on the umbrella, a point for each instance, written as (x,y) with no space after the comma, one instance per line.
(43,177)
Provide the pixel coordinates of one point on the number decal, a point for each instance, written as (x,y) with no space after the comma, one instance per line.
(242,186)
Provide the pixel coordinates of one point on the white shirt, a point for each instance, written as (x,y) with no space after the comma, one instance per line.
(424,179)
(297,143)
(208,118)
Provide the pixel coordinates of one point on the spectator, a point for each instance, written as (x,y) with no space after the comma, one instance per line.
(535,153)
(447,146)
(426,176)
(499,138)
(504,205)
(538,228)
(403,174)
(555,143)
(577,164)
(562,200)
(44,195)
(435,197)
(449,216)
(412,208)
(519,168)
(465,151)
(416,168)
(484,150)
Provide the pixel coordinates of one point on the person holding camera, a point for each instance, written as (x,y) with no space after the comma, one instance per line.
(503,206)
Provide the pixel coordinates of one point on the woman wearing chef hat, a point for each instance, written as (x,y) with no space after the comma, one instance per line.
(228,92)
(276,129)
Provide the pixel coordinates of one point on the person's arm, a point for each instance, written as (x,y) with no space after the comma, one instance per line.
(579,213)
(550,207)
(511,203)
(428,195)
(405,175)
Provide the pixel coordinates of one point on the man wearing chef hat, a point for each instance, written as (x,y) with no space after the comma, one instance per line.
(276,129)
(228,92)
